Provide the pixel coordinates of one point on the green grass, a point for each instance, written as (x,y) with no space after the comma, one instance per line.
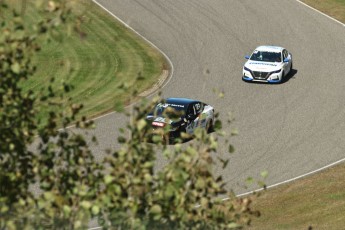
(109,56)
(314,202)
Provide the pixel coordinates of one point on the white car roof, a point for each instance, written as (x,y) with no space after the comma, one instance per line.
(275,49)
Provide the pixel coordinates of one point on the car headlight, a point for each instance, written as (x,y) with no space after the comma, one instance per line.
(245,68)
(277,71)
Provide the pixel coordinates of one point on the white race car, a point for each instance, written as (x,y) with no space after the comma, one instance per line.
(267,64)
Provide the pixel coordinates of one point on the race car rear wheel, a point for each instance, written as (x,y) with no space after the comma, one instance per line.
(209,126)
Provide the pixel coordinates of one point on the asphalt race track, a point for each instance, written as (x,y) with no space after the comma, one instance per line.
(288,129)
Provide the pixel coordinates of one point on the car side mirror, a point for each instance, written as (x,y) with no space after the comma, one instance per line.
(246,57)
(286,60)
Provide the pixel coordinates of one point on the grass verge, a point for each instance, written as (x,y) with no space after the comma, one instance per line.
(333,8)
(314,202)
(109,56)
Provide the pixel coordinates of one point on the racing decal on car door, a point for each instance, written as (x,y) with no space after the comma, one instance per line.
(191,126)
(203,120)
(195,112)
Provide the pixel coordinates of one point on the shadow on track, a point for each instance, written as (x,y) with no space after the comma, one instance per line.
(291,75)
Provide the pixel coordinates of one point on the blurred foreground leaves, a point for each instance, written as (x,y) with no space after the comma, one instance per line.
(49,177)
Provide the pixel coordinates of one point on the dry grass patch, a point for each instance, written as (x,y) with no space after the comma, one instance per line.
(317,201)
(333,8)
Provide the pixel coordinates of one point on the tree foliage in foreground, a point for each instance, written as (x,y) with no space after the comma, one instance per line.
(185,194)
(49,177)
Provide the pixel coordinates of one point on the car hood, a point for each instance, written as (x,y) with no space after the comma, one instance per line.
(263,66)
(159,119)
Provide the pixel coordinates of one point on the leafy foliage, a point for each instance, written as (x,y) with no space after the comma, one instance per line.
(62,166)
(182,195)
(49,177)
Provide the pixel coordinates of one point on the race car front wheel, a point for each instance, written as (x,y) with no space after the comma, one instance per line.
(209,126)
(283,75)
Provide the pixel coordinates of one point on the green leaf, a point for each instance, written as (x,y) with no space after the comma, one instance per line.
(231,149)
(77,224)
(249,180)
(200,183)
(234,132)
(213,144)
(204,202)
(170,190)
(12,146)
(95,210)
(49,196)
(121,139)
(15,67)
(86,204)
(192,151)
(186,158)
(148,177)
(156,209)
(224,162)
(141,124)
(218,125)
(22,202)
(264,174)
(108,179)
(157,139)
(4,208)
(233,226)
(185,136)
(3,5)
(167,153)
(148,164)
(67,210)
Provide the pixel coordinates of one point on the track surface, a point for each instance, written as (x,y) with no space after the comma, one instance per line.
(287,129)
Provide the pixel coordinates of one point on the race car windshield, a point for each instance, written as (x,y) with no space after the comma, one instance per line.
(170,110)
(266,56)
